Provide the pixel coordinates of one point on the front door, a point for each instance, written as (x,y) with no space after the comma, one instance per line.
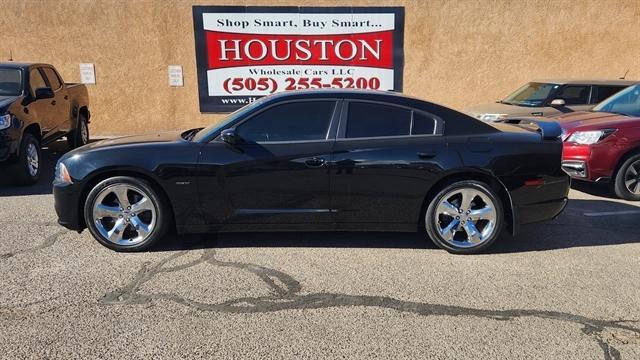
(277,174)
(60,104)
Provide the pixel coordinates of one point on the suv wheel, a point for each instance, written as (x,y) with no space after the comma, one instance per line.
(26,170)
(126,214)
(627,181)
(465,217)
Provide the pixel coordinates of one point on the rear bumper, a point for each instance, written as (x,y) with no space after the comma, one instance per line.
(533,204)
(67,205)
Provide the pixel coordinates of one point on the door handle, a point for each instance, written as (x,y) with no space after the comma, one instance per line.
(66,97)
(426,155)
(53,102)
(315,162)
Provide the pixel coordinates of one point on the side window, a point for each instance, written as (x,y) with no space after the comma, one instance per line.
(296,121)
(574,94)
(36,80)
(606,91)
(374,120)
(422,124)
(53,78)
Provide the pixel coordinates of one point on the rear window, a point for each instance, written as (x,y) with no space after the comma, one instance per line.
(54,80)
(423,124)
(604,92)
(375,120)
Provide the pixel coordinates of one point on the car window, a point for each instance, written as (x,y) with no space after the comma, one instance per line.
(626,102)
(422,124)
(36,81)
(574,94)
(10,82)
(53,78)
(604,92)
(296,121)
(374,120)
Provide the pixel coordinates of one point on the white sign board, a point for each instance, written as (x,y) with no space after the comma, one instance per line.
(175,75)
(87,73)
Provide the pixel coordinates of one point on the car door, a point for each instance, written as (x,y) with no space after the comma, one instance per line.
(61,108)
(277,174)
(602,92)
(42,109)
(576,97)
(385,159)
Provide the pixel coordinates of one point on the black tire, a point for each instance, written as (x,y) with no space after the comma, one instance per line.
(75,138)
(624,174)
(21,171)
(162,213)
(433,226)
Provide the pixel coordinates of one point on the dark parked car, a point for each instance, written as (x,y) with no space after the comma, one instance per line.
(319,160)
(37,108)
(603,145)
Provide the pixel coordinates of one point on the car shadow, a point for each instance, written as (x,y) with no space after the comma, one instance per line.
(584,223)
(597,189)
(50,155)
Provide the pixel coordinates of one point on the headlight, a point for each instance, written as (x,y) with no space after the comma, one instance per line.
(62,174)
(589,137)
(5,121)
(491,117)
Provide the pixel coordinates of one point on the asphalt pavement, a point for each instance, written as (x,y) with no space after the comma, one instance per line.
(565,289)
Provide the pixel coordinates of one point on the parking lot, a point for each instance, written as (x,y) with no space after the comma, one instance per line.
(563,289)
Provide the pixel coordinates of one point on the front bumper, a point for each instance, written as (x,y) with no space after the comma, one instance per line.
(8,151)
(589,162)
(67,205)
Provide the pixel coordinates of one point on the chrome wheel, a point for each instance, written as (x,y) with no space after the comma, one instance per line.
(124,214)
(465,217)
(84,133)
(33,161)
(632,178)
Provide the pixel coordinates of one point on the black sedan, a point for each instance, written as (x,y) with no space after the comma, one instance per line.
(319,160)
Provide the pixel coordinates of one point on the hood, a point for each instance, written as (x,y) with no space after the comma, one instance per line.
(134,140)
(498,108)
(594,119)
(5,101)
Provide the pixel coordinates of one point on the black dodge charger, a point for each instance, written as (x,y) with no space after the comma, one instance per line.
(319,160)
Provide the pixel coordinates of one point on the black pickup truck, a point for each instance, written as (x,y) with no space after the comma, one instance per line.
(37,108)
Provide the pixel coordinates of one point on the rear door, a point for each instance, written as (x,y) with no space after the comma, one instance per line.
(61,108)
(278,174)
(601,92)
(385,159)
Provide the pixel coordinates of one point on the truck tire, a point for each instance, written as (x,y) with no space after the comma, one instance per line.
(26,171)
(80,135)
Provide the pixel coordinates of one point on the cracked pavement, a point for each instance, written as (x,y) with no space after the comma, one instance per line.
(564,289)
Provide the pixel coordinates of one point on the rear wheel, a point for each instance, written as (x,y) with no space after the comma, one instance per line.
(465,217)
(627,181)
(26,170)
(126,214)
(80,135)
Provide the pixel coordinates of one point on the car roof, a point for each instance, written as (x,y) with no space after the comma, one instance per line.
(19,65)
(587,81)
(350,93)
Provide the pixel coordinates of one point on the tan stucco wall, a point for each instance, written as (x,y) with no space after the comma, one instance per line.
(457,53)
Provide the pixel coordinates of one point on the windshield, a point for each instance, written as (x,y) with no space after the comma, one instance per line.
(626,102)
(213,128)
(532,94)
(10,82)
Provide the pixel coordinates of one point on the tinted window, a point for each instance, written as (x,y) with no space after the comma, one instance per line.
(371,120)
(422,124)
(10,82)
(295,121)
(606,91)
(574,95)
(54,80)
(36,81)
(532,94)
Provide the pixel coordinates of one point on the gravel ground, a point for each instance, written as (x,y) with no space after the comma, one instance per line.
(564,289)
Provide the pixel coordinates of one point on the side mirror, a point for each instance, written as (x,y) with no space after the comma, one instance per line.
(558,103)
(230,137)
(44,93)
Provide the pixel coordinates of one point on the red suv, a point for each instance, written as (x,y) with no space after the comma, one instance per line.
(603,144)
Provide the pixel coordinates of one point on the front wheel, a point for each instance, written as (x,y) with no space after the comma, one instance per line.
(627,181)
(465,217)
(126,214)
(26,171)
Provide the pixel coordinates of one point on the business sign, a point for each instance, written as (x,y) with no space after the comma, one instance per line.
(244,53)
